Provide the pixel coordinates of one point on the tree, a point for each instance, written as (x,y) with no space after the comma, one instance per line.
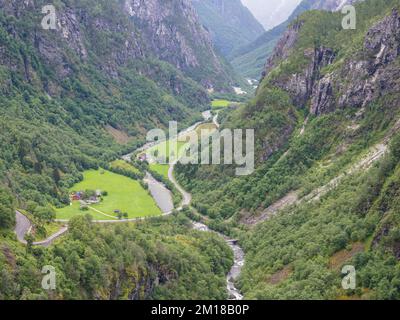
(29,241)
(31,206)
(7,210)
(46,214)
(395,146)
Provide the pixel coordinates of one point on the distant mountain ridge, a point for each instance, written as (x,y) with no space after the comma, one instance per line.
(173,32)
(229,22)
(271,13)
(249,60)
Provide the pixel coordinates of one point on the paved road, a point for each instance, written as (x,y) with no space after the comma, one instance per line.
(23,226)
(47,242)
(187,197)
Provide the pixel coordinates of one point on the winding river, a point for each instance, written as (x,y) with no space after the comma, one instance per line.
(163,198)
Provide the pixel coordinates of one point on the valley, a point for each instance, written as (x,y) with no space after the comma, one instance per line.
(101,123)
(124,194)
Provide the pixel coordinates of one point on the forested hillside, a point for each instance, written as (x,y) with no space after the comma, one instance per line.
(95,83)
(173,32)
(326,187)
(73,99)
(326,116)
(230,23)
(162,259)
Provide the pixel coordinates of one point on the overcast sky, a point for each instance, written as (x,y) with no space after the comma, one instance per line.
(271,12)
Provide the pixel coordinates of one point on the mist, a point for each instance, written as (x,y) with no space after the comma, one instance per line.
(271,13)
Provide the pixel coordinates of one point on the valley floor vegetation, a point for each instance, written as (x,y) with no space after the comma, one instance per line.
(123,195)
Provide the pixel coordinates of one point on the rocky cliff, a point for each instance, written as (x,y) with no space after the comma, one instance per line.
(249,60)
(172,31)
(168,31)
(327,83)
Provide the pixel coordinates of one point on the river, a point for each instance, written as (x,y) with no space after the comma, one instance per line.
(163,198)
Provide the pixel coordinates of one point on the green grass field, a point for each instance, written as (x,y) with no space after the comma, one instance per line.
(219,104)
(161,151)
(124,194)
(122,164)
(206,127)
(161,169)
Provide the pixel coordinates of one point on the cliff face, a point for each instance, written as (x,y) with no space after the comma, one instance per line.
(374,74)
(172,32)
(121,33)
(249,60)
(354,82)
(229,22)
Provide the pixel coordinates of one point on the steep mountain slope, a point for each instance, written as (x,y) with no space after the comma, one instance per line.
(249,60)
(325,191)
(162,259)
(76,97)
(172,31)
(230,23)
(96,80)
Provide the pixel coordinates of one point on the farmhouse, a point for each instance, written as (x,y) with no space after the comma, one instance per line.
(143,157)
(76,196)
(86,197)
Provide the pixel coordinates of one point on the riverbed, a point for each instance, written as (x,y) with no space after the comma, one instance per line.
(163,198)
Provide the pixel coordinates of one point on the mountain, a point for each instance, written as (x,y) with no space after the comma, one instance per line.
(77,97)
(172,31)
(249,60)
(273,12)
(230,23)
(325,190)
(109,72)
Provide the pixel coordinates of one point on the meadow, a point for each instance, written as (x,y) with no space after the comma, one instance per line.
(161,169)
(122,164)
(124,194)
(161,150)
(220,104)
(206,128)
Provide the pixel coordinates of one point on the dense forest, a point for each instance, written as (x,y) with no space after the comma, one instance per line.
(309,138)
(73,99)
(325,192)
(159,259)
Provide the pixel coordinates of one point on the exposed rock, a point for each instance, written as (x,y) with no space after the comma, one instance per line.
(322,100)
(374,74)
(358,80)
(304,85)
(172,31)
(283,48)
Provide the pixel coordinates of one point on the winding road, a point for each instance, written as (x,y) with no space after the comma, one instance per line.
(234,273)
(23,226)
(163,198)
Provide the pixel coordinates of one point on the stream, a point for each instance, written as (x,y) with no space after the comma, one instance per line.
(163,198)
